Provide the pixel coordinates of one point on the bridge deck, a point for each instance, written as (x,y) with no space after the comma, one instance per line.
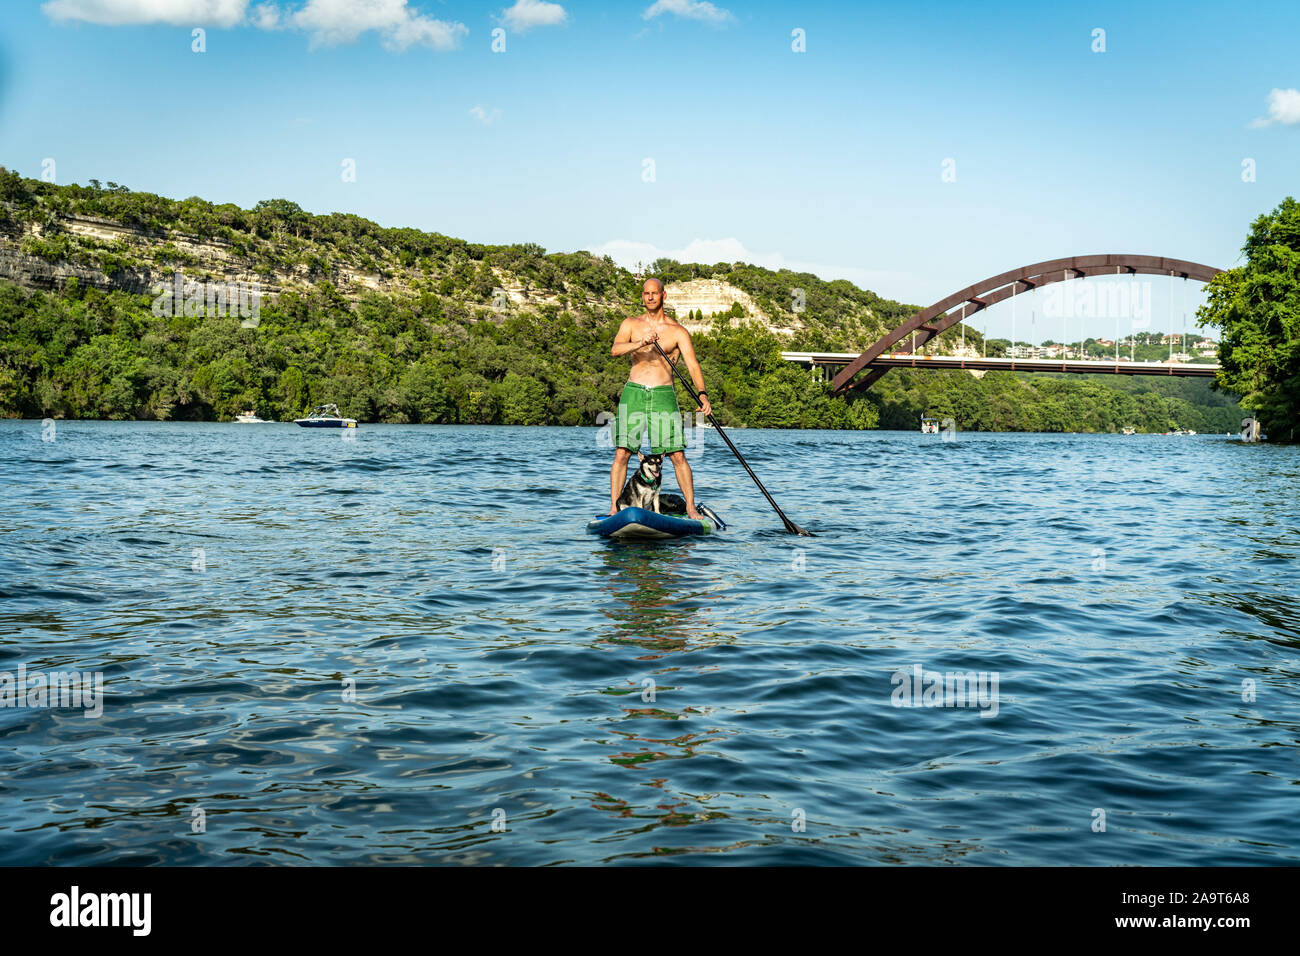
(1076,366)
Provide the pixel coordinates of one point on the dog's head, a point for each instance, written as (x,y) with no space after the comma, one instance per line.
(651,467)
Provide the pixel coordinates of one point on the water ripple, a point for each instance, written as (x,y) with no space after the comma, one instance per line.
(401,647)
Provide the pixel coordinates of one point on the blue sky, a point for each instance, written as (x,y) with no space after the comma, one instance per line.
(829,160)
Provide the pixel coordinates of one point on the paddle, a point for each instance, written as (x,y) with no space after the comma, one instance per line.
(789,525)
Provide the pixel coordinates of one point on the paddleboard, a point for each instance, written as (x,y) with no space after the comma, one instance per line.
(642,523)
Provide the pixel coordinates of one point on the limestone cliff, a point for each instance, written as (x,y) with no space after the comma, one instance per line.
(711,297)
(105,254)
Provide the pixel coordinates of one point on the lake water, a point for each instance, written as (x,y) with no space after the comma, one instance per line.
(404,648)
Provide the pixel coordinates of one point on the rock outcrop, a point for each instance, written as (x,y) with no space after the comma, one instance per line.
(711,297)
(157,258)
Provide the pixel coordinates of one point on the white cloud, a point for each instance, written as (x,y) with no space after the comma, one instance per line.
(526,14)
(1283,107)
(219,13)
(327,21)
(690,9)
(265,16)
(628,252)
(425,31)
(486,117)
(343,21)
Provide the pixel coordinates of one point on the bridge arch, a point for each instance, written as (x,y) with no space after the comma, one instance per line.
(939,317)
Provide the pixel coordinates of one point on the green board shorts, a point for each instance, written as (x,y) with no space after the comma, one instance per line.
(640,406)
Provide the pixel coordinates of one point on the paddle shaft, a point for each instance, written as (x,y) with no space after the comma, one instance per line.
(789,525)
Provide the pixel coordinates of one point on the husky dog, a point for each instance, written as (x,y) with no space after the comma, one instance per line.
(642,488)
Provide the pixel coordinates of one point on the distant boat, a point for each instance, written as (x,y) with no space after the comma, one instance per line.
(326,416)
(929,426)
(250,418)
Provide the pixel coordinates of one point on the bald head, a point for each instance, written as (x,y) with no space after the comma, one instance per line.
(652,296)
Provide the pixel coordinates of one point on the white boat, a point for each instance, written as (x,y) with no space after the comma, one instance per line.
(1129,431)
(326,416)
(250,418)
(929,426)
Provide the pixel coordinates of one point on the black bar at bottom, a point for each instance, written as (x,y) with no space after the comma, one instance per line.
(336,905)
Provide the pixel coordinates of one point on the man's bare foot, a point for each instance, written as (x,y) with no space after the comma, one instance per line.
(694,515)
(613,510)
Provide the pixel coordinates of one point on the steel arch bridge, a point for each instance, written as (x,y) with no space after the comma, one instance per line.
(939,317)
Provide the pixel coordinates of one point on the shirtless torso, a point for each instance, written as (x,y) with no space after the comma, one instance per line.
(648,366)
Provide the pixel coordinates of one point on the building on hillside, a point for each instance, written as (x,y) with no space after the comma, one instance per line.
(1024,351)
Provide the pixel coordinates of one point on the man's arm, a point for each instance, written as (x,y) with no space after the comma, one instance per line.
(693,366)
(623,342)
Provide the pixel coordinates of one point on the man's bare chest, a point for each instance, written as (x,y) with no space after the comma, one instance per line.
(667,341)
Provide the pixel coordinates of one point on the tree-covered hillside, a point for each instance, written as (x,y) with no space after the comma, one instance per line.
(1055,402)
(399,325)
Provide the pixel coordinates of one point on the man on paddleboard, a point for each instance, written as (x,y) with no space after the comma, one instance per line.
(649,398)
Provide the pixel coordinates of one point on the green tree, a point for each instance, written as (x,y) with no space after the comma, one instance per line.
(293,394)
(781,401)
(1257,307)
(524,400)
(425,392)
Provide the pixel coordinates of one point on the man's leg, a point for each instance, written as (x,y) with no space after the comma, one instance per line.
(684,481)
(668,439)
(629,423)
(617,476)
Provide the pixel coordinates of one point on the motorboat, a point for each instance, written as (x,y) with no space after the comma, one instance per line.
(249,418)
(326,416)
(929,426)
